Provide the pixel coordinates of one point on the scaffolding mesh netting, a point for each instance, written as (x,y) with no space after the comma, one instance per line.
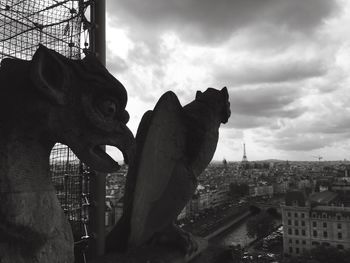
(70,178)
(60,25)
(24,24)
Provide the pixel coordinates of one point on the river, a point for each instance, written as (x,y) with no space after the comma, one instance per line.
(237,235)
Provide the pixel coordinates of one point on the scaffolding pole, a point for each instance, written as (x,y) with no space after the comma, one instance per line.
(98,180)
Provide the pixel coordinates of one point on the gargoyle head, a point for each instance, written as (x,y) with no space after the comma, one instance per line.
(85,106)
(217,100)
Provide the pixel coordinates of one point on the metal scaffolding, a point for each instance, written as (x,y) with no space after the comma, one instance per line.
(59,25)
(71,180)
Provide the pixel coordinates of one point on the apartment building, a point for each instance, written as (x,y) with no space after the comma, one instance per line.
(317,220)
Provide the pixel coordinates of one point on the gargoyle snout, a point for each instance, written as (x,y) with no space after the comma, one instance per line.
(124,140)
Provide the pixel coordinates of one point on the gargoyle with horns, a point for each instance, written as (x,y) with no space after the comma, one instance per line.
(43,101)
(174,145)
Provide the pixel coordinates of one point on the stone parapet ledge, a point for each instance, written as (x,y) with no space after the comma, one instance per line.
(154,255)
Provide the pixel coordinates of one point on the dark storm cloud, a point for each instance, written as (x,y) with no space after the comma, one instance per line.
(336,123)
(310,134)
(264,106)
(290,139)
(271,72)
(239,121)
(266,102)
(208,21)
(302,143)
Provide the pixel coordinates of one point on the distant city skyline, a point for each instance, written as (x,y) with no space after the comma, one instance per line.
(285,63)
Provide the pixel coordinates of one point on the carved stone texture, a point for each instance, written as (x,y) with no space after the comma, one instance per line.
(43,101)
(174,144)
(155,254)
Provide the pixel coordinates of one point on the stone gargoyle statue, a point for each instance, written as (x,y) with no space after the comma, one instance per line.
(43,101)
(174,145)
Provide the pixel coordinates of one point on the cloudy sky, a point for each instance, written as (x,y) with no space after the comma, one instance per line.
(286,64)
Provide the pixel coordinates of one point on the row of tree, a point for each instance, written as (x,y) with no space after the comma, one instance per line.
(239,190)
(323,254)
(262,224)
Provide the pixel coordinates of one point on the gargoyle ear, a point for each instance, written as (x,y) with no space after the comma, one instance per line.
(224,91)
(49,74)
(198,94)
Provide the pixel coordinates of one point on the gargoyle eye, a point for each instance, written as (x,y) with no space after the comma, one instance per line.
(108,108)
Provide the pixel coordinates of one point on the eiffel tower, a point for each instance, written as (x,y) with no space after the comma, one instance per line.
(245,159)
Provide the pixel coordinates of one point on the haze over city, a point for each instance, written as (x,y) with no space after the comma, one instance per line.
(285,64)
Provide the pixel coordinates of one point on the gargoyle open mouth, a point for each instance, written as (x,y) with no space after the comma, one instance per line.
(91,150)
(100,151)
(101,160)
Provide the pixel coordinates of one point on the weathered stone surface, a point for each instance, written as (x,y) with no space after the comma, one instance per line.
(174,144)
(47,100)
(154,254)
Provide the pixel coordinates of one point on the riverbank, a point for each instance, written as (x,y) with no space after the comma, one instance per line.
(217,218)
